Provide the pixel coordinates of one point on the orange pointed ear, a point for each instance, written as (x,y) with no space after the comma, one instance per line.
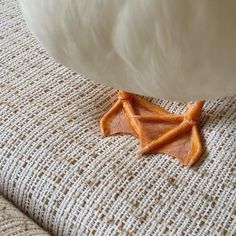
(186,148)
(115,121)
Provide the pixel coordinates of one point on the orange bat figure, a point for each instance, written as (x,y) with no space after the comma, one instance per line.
(158,130)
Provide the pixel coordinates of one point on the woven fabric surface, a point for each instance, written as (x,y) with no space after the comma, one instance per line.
(14,222)
(56,166)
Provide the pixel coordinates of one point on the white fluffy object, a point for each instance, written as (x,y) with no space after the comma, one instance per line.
(171,49)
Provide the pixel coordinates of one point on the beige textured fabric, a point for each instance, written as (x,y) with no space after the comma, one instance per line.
(56,166)
(14,222)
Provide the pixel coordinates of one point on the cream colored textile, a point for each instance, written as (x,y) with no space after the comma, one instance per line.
(14,222)
(56,166)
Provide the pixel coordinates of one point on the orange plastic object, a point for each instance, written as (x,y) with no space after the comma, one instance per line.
(158,130)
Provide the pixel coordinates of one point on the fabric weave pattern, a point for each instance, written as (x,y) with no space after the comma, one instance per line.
(14,222)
